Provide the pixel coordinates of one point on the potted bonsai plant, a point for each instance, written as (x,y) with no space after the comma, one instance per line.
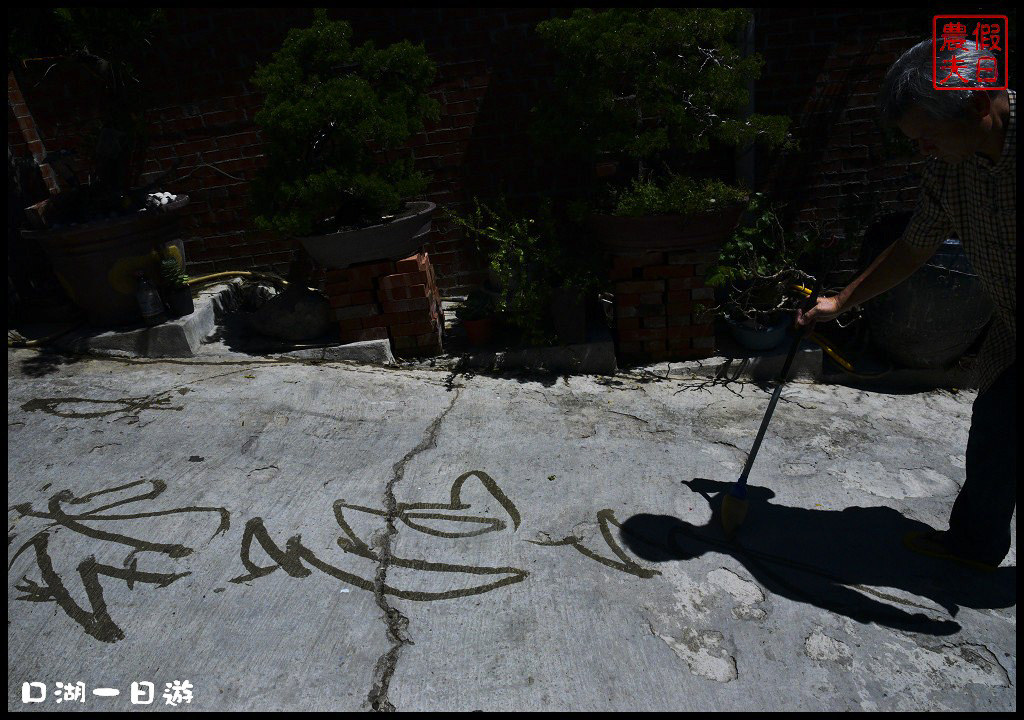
(98,233)
(756,269)
(642,94)
(334,121)
(176,292)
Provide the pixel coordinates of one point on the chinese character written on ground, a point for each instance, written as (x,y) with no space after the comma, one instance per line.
(178,692)
(92,515)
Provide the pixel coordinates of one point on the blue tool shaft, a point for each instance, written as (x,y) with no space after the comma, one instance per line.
(739,489)
(760,433)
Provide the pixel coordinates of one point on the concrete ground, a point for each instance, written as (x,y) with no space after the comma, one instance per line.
(288,535)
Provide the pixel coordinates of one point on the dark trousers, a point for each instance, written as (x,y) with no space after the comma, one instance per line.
(979,525)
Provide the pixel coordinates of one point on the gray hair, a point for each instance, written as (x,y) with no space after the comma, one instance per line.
(908,82)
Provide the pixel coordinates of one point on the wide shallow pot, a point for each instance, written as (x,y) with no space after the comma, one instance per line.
(664,232)
(756,336)
(479,332)
(394,240)
(96,262)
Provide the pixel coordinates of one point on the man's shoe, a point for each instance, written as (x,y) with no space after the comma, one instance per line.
(932,543)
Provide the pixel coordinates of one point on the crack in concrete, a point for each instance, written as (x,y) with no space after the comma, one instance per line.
(729,444)
(397,624)
(629,415)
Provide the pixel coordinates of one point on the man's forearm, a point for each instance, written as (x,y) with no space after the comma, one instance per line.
(894,265)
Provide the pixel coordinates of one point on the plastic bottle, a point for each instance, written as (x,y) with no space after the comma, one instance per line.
(150,304)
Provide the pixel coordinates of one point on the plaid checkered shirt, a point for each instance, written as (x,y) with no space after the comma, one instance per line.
(978,201)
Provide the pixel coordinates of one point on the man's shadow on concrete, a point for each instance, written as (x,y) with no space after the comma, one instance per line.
(819,556)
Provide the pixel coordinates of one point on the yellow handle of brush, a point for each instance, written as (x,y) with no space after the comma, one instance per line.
(820,341)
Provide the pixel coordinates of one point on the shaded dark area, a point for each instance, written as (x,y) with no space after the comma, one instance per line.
(33,291)
(46,362)
(817,557)
(822,67)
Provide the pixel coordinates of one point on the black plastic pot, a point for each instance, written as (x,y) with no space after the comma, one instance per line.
(179,302)
(480,331)
(755,336)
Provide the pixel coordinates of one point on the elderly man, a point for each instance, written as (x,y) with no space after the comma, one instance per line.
(968,186)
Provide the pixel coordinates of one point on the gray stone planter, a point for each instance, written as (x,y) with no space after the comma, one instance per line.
(394,240)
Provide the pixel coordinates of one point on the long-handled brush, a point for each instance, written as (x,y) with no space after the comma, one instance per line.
(734,504)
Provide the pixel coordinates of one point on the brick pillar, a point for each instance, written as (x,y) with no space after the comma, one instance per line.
(655,295)
(27,124)
(384,300)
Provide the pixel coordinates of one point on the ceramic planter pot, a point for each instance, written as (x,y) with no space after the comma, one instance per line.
(664,232)
(934,316)
(96,262)
(400,238)
(755,336)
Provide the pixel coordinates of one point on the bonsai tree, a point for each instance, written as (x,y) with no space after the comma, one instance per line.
(758,266)
(330,107)
(107,42)
(648,90)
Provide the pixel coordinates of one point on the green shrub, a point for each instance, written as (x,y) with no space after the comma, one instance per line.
(334,121)
(681,195)
(172,275)
(531,258)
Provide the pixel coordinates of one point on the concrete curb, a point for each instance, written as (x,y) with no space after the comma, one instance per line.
(808,367)
(177,338)
(376,352)
(908,380)
(184,337)
(591,358)
(753,367)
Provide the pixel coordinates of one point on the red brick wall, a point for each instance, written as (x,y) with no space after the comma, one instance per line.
(657,295)
(823,67)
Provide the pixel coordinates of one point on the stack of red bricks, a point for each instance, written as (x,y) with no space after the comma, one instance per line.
(656,299)
(384,300)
